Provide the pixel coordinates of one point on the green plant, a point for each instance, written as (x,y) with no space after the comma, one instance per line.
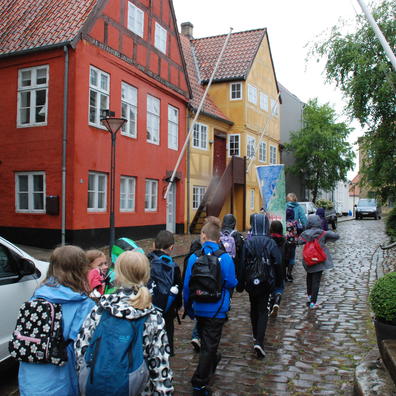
(324,203)
(391,225)
(383,298)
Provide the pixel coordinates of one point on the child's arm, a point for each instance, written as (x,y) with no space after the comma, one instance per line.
(331,236)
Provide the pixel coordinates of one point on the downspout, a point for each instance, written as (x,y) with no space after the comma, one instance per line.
(64,143)
(188,175)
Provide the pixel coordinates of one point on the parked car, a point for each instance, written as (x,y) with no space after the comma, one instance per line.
(367,207)
(309,207)
(20,274)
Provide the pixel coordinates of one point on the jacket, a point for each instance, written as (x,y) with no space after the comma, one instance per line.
(322,214)
(229,222)
(314,229)
(48,379)
(218,308)
(299,213)
(155,341)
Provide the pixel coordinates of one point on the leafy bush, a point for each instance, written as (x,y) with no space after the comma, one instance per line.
(391,225)
(324,203)
(383,298)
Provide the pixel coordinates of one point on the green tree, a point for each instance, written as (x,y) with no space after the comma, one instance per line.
(358,65)
(322,154)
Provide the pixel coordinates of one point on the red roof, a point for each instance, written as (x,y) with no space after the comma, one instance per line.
(198,90)
(237,58)
(31,24)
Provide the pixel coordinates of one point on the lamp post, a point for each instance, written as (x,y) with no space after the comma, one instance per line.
(113,125)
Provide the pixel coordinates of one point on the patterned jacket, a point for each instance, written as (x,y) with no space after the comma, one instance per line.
(155,341)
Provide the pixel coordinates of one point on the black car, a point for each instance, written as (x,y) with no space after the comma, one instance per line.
(367,207)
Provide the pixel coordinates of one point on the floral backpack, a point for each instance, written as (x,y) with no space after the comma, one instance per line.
(291,227)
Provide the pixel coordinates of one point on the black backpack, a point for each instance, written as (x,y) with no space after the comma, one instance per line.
(206,284)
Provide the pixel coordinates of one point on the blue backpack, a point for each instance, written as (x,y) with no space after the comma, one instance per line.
(115,364)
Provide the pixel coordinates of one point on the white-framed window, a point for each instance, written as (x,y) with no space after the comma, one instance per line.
(30,192)
(251,141)
(135,19)
(234,145)
(252,94)
(263,101)
(272,158)
(160,38)
(99,95)
(129,109)
(274,108)
(153,119)
(235,91)
(127,193)
(32,96)
(198,194)
(251,199)
(151,197)
(200,136)
(173,127)
(97,192)
(263,152)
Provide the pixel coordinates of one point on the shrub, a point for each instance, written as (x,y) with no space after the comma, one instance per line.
(383,298)
(391,225)
(324,203)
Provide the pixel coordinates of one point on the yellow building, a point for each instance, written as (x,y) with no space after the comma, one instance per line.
(242,119)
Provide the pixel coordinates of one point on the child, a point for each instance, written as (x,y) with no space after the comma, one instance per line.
(131,301)
(211,316)
(65,284)
(97,273)
(322,214)
(314,272)
(228,229)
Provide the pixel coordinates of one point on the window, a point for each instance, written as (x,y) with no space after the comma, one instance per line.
(99,89)
(160,38)
(272,155)
(263,101)
(129,109)
(235,91)
(153,119)
(135,19)
(97,183)
(274,108)
(252,94)
(251,141)
(150,202)
(252,199)
(263,152)
(233,145)
(32,96)
(198,194)
(30,192)
(127,194)
(200,136)
(173,127)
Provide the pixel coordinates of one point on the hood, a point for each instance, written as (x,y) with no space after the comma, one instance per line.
(195,245)
(314,221)
(57,293)
(229,222)
(259,223)
(117,304)
(321,213)
(292,204)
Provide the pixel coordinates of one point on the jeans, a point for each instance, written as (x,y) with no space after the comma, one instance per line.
(259,315)
(313,283)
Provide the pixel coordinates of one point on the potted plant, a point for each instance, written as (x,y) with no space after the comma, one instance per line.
(382,299)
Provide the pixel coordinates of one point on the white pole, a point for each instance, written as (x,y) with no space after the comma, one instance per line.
(378,33)
(197,114)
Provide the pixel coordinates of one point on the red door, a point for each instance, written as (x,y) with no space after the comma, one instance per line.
(219,156)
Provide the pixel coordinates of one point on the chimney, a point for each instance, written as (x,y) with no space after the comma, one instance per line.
(187,30)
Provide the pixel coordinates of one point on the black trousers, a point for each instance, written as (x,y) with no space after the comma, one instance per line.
(170,329)
(259,315)
(210,330)
(313,283)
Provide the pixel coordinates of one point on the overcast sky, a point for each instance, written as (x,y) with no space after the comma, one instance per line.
(291,25)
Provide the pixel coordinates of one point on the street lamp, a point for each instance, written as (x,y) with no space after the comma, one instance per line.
(113,125)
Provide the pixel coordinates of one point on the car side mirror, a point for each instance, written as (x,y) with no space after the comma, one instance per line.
(26,267)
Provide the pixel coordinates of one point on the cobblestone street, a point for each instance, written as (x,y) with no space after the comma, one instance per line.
(308,352)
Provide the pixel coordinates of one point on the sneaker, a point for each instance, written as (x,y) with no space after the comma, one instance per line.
(308,301)
(202,391)
(274,310)
(259,351)
(313,305)
(289,278)
(196,343)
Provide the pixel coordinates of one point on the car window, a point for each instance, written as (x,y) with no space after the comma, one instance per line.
(7,264)
(367,202)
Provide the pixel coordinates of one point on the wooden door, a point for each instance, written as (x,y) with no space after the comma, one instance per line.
(219,156)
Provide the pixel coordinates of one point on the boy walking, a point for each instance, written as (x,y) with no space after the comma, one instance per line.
(209,302)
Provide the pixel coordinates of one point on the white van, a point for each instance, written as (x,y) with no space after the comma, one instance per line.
(20,275)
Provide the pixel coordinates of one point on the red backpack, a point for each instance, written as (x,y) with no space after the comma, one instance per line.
(313,253)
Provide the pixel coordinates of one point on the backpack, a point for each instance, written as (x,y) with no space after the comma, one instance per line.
(38,335)
(291,232)
(206,284)
(161,280)
(228,242)
(114,360)
(313,252)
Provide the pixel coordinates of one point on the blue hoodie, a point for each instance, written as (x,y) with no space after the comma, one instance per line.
(229,281)
(299,213)
(48,379)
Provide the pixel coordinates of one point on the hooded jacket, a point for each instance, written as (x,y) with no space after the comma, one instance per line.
(322,214)
(299,213)
(155,341)
(229,222)
(48,379)
(314,230)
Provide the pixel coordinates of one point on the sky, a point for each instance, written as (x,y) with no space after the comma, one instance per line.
(291,26)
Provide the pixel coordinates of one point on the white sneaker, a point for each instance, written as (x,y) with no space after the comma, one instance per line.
(275,310)
(259,351)
(196,343)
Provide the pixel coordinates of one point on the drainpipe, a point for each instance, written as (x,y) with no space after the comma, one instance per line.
(64,143)
(188,174)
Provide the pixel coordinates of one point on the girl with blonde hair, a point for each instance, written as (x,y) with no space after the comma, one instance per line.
(132,302)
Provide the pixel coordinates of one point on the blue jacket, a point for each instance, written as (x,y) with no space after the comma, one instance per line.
(48,379)
(229,280)
(299,213)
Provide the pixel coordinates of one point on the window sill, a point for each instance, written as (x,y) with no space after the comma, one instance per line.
(21,126)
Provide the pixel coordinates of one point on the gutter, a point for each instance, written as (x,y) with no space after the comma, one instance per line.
(35,49)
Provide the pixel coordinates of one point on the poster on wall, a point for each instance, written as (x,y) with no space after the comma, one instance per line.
(271,181)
